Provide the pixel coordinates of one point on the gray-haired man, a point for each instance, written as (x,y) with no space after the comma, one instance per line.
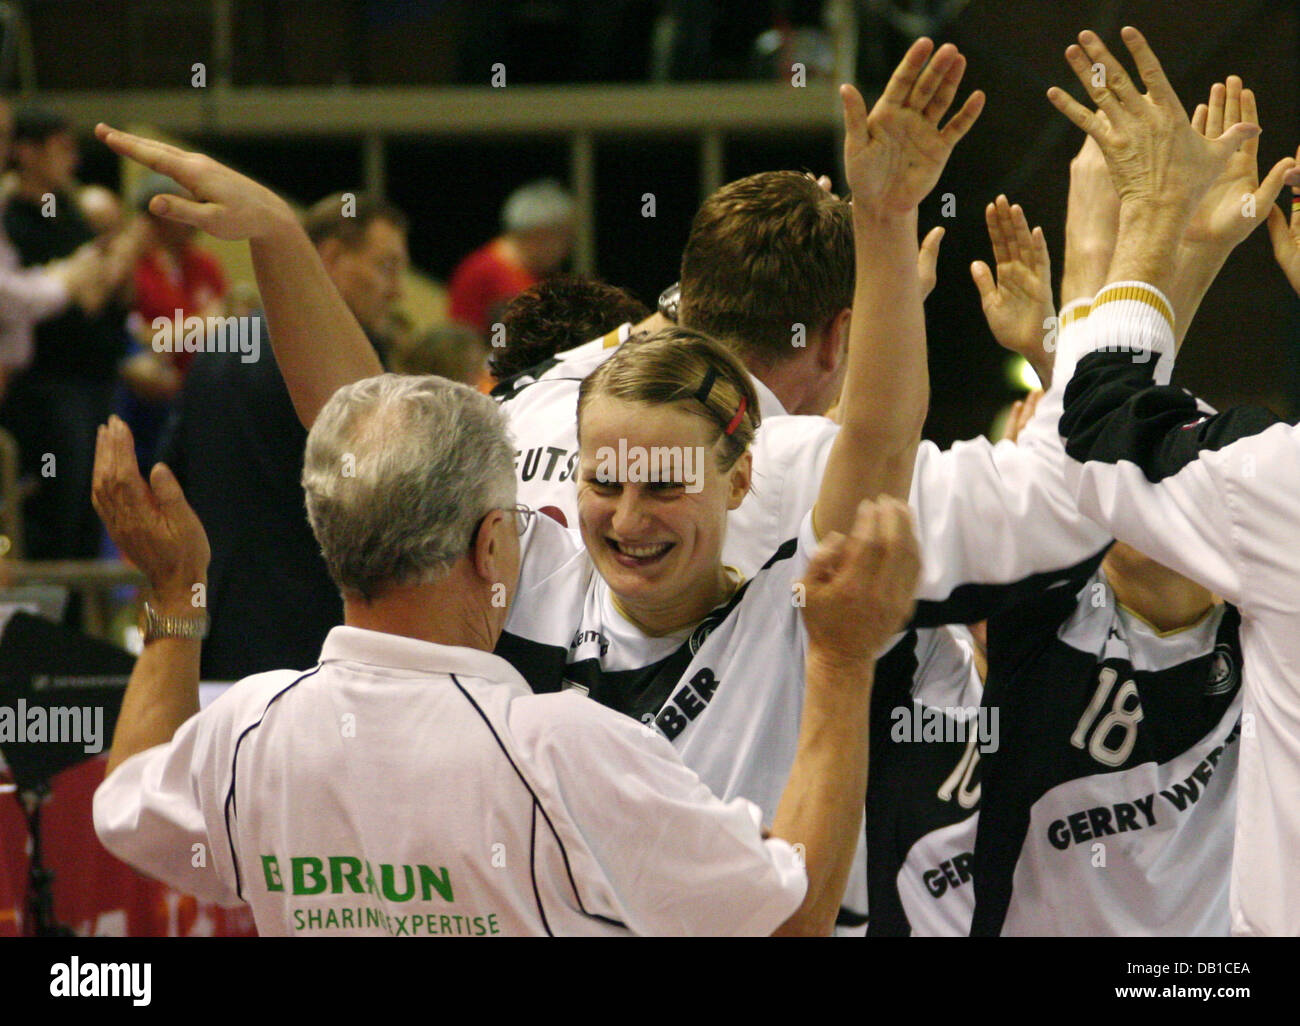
(411,783)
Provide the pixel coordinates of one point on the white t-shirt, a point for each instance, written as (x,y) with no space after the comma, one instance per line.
(405,788)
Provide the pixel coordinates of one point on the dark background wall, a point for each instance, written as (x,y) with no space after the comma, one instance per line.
(1244,345)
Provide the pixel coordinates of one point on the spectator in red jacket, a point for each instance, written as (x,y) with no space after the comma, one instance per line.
(175,277)
(537,223)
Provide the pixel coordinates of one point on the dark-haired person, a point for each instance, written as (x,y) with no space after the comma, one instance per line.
(558,314)
(29,295)
(236,446)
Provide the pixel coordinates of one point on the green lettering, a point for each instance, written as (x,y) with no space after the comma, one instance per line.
(430,883)
(304,869)
(271,869)
(345,869)
(389,885)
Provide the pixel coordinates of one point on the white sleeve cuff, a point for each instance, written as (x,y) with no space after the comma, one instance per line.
(1132,317)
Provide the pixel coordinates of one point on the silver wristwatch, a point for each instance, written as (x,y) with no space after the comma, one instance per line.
(158,626)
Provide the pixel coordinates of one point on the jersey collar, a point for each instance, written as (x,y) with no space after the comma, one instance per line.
(394,652)
(768,404)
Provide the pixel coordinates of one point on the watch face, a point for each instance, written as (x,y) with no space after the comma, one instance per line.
(669,300)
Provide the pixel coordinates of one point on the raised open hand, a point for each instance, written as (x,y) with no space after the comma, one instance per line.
(226,204)
(1285,235)
(894,155)
(151,523)
(1236,202)
(1157,160)
(1018,306)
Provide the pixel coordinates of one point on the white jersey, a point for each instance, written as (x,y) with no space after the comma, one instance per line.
(1108,807)
(1214,498)
(991,519)
(410,789)
(729,692)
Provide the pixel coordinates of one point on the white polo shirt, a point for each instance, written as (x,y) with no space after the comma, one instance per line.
(406,788)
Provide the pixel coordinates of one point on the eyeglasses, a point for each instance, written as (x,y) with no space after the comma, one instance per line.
(523,515)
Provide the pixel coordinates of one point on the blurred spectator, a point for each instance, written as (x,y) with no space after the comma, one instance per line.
(237,446)
(30,295)
(558,314)
(537,225)
(362,242)
(174,278)
(451,351)
(55,405)
(102,210)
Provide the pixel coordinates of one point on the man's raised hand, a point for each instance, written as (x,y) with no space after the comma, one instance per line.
(151,523)
(226,204)
(894,155)
(1158,162)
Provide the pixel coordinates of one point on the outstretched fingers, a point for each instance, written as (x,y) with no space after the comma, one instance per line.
(960,123)
(997,236)
(1214,119)
(900,83)
(155,155)
(1097,77)
(935,76)
(855,111)
(1079,115)
(938,105)
(1026,250)
(1153,75)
